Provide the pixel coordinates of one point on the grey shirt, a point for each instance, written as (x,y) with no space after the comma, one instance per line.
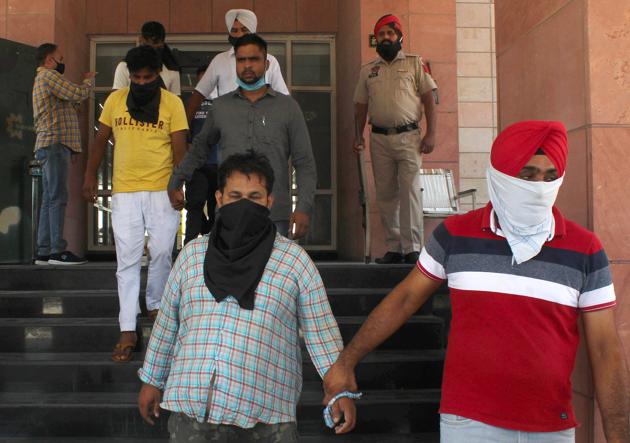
(275,126)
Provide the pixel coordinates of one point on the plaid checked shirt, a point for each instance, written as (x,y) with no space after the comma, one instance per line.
(55,103)
(250,361)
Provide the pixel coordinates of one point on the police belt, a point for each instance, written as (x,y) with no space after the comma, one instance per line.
(397,130)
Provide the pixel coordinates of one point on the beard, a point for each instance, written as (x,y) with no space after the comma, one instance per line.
(388,50)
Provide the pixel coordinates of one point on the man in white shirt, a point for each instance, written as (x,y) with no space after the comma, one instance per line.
(153,34)
(220,77)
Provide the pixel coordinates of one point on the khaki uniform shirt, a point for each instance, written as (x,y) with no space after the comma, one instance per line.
(392,90)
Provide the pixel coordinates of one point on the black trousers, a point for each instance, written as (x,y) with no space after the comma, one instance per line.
(199,192)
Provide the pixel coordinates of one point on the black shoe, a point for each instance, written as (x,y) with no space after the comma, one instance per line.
(66,258)
(41,259)
(390,258)
(412,257)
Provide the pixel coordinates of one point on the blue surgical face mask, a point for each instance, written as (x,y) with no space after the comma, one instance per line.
(251,86)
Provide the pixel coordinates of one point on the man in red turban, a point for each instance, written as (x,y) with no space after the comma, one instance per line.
(395,91)
(520,277)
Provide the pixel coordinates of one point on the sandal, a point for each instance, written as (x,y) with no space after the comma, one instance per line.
(123,352)
(152,314)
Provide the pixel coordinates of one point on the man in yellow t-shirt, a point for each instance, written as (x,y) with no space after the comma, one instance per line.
(149,125)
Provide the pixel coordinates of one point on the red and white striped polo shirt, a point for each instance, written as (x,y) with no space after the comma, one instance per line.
(514,332)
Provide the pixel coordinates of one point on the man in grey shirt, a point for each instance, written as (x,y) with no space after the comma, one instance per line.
(255,117)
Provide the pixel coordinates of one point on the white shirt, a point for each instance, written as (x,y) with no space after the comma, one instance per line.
(220,77)
(171,78)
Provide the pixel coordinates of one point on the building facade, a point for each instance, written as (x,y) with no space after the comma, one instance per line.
(552,59)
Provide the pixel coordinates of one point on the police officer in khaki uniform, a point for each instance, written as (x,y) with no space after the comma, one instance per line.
(392,90)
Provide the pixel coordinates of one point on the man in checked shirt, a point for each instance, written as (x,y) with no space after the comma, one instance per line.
(55,104)
(225,348)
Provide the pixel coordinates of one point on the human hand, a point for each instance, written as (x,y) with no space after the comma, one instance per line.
(301,222)
(177,199)
(89,187)
(149,403)
(358,145)
(428,144)
(341,378)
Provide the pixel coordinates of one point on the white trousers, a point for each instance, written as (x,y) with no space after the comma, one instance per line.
(132,214)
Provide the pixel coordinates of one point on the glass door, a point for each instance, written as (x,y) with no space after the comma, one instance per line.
(307,64)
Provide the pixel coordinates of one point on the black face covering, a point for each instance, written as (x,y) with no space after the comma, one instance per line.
(60,68)
(232,40)
(239,248)
(389,50)
(143,101)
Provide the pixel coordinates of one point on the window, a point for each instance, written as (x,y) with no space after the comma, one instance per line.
(307,64)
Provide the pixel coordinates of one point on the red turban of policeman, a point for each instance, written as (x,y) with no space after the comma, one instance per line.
(517,143)
(388,19)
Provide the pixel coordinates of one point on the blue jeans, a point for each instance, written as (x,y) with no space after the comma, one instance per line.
(457,429)
(55,160)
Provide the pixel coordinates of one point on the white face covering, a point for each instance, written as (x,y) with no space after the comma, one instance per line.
(524,211)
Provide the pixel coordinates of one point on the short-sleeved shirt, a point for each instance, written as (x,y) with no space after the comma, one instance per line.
(143,159)
(220,77)
(392,90)
(514,331)
(171,78)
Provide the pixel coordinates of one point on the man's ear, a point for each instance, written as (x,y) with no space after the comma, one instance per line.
(267,65)
(270,201)
(218,196)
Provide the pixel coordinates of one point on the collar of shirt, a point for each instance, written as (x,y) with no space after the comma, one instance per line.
(237,93)
(488,222)
(400,56)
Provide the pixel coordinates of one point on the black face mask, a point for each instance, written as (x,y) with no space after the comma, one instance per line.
(61,67)
(389,50)
(143,101)
(232,40)
(239,248)
(142,94)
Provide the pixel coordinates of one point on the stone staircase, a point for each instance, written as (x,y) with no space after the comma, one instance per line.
(58,384)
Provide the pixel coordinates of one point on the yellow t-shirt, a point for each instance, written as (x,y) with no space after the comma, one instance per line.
(143,156)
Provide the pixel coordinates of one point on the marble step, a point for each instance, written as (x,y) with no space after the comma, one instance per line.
(427,437)
(104,302)
(102,275)
(100,334)
(95,372)
(116,415)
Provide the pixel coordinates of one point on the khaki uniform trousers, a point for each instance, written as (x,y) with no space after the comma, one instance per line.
(396,162)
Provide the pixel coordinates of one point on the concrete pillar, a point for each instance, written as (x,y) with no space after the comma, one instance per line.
(567,60)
